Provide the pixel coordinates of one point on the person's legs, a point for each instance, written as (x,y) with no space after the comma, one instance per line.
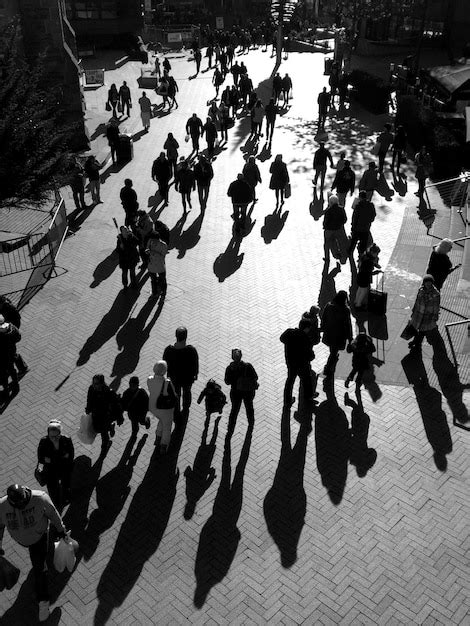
(205,194)
(236,399)
(350,376)
(281,191)
(363,239)
(188,196)
(289,386)
(97,186)
(200,193)
(154,283)
(38,554)
(162,282)
(248,398)
(330,366)
(381,160)
(361,297)
(183,200)
(186,398)
(355,236)
(167,422)
(53,487)
(132,276)
(322,180)
(342,198)
(277,195)
(305,375)
(124,276)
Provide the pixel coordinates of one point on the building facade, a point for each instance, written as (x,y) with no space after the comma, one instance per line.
(103,22)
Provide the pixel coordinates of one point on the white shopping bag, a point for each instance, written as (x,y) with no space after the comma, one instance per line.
(85,433)
(64,553)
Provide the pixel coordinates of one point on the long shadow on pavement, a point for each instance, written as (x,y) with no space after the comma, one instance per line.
(220,536)
(229,261)
(285,503)
(110,324)
(201,475)
(328,287)
(273,225)
(188,238)
(105,268)
(142,530)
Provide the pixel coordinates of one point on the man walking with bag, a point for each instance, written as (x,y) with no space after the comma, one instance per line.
(243,380)
(298,354)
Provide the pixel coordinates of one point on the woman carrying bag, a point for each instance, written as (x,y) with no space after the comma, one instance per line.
(162,403)
(113,99)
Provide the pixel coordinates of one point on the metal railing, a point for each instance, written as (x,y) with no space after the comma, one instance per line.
(449,338)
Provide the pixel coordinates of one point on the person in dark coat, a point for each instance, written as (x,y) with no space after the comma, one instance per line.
(241,194)
(171,146)
(92,170)
(127,247)
(185,183)
(210,130)
(363,216)
(362,347)
(126,99)
(345,180)
(439,265)
(9,337)
(12,315)
(161,173)
(77,185)
(129,202)
(112,135)
(56,454)
(399,148)
(337,329)
(135,400)
(113,98)
(194,130)
(279,177)
(203,173)
(105,409)
(298,354)
(368,261)
(183,367)
(252,175)
(270,113)
(243,381)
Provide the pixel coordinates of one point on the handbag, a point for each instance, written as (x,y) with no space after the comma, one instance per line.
(108,106)
(9,574)
(376,148)
(408,332)
(377,300)
(166,398)
(287,190)
(86,432)
(64,553)
(119,107)
(40,475)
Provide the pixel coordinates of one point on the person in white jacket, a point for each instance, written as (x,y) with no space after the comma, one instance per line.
(26,513)
(162,403)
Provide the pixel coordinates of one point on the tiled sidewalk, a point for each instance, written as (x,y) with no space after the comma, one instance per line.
(290,531)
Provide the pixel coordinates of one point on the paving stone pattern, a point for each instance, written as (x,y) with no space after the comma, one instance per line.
(293,528)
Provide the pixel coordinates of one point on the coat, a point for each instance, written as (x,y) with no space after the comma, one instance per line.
(426,309)
(439,266)
(155,385)
(53,458)
(336,326)
(252,174)
(157,250)
(104,407)
(279,175)
(161,170)
(127,249)
(171,146)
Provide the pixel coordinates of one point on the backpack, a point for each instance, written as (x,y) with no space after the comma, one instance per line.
(166,398)
(247,381)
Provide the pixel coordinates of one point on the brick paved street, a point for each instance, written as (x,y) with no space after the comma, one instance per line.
(294,528)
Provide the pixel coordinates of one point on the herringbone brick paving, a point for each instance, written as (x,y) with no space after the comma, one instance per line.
(289,531)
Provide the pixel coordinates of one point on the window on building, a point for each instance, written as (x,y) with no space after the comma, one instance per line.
(92,9)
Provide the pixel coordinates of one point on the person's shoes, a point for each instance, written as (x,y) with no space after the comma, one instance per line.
(346,382)
(147,422)
(44,610)
(417,193)
(112,430)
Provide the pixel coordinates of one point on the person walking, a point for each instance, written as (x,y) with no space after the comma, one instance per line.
(185,183)
(143,227)
(127,248)
(241,194)
(385,139)
(368,261)
(113,99)
(243,381)
(126,99)
(172,90)
(252,175)
(399,148)
(324,101)
(27,514)
(145,111)
(337,329)
(362,348)
(112,135)
(157,249)
(194,128)
(257,116)
(334,235)
(92,170)
(224,120)
(344,181)
(277,87)
(9,337)
(233,100)
(279,178)
(217,81)
(425,311)
(56,455)
(9,314)
(270,113)
(203,174)
(362,218)
(209,55)
(166,65)
(105,409)
(171,146)
(213,112)
(439,264)
(298,354)
(320,158)
(235,70)
(210,130)
(129,202)
(423,169)
(369,180)
(135,400)
(183,368)
(286,88)
(162,403)
(161,173)
(77,185)
(197,59)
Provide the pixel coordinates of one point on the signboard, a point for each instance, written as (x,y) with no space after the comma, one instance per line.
(219,23)
(174,37)
(94,77)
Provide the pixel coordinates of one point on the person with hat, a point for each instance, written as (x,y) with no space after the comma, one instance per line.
(162,403)
(56,454)
(425,311)
(27,514)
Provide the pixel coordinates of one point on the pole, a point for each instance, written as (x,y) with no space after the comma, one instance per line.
(421,37)
(280,37)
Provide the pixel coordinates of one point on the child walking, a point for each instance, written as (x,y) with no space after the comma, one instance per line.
(361,347)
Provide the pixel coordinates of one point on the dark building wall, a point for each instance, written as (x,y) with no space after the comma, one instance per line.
(102,21)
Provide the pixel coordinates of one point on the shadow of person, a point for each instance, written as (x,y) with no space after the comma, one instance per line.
(229,261)
(265,153)
(285,503)
(112,491)
(400,184)
(328,287)
(383,188)
(317,204)
(105,268)
(273,225)
(175,232)
(426,214)
(332,444)
(109,324)
(154,203)
(99,130)
(138,135)
(78,217)
(130,340)
(25,608)
(201,475)
(190,237)
(362,457)
(449,380)
(220,536)
(141,531)
(430,406)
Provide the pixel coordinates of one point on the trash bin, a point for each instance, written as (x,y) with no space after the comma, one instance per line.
(328,65)
(125,149)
